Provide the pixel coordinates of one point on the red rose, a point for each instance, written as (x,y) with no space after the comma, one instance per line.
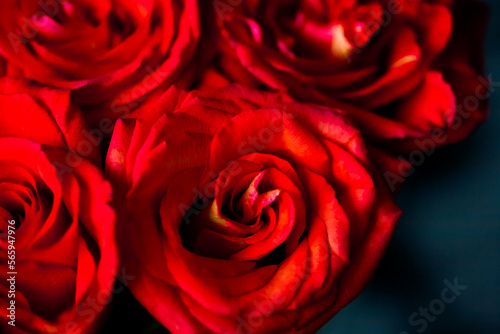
(115,52)
(246,211)
(46,115)
(398,67)
(57,236)
(462,63)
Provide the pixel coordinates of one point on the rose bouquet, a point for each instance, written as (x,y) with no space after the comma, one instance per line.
(233,164)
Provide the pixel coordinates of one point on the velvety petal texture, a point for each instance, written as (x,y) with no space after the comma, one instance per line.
(373,58)
(245,211)
(107,52)
(47,116)
(65,253)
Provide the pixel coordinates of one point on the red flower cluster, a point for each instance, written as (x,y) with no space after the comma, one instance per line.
(239,165)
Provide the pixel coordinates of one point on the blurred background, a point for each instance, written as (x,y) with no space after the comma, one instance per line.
(450,229)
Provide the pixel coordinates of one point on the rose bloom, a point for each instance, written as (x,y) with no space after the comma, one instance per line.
(403,70)
(57,235)
(107,52)
(63,244)
(246,211)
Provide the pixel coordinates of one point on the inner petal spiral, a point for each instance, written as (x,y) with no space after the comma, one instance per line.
(250,215)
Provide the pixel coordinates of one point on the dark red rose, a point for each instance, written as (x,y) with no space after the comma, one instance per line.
(246,211)
(402,69)
(462,63)
(57,235)
(46,115)
(111,52)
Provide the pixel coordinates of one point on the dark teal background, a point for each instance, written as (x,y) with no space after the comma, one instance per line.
(450,228)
